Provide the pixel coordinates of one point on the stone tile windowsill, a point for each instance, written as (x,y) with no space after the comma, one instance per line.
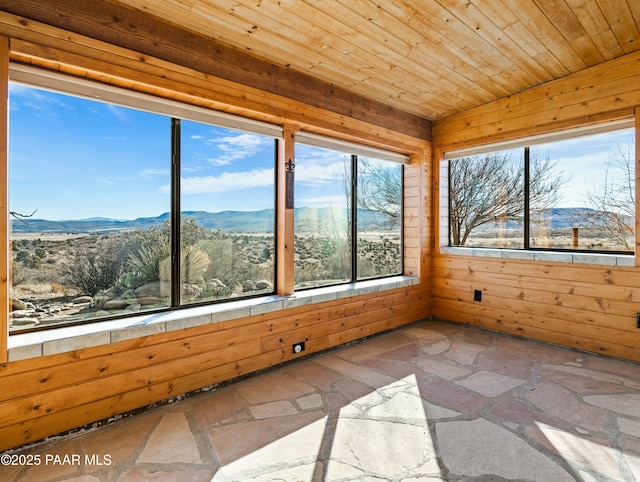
(547,256)
(60,340)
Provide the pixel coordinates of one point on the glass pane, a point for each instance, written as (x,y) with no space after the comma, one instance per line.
(583,193)
(322,217)
(379,218)
(227,203)
(487,200)
(89,186)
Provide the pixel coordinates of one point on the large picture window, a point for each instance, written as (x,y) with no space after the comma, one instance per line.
(227,201)
(94,191)
(89,231)
(576,193)
(122,203)
(348,219)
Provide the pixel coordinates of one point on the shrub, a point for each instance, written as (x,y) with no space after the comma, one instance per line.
(95,270)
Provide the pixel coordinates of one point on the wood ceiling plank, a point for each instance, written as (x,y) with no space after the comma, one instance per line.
(288,46)
(455,48)
(518,30)
(623,24)
(591,17)
(484,26)
(336,36)
(542,28)
(566,22)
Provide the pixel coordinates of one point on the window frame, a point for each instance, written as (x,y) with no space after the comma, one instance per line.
(79,87)
(525,144)
(175,112)
(354,151)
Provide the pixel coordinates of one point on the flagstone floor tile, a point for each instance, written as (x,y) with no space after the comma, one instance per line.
(433,401)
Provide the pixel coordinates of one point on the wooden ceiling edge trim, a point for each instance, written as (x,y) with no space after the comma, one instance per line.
(547,128)
(133,30)
(164,79)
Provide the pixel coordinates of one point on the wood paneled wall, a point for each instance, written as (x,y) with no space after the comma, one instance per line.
(583,306)
(47,395)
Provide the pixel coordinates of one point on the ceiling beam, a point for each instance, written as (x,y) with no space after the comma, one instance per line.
(137,31)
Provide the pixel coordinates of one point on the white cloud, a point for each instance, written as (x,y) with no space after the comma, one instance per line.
(227,181)
(236,147)
(118,112)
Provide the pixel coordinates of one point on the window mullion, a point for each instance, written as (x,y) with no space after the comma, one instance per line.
(175,212)
(527,218)
(354,217)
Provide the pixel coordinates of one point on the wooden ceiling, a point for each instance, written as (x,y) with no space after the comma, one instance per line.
(429,58)
(412,59)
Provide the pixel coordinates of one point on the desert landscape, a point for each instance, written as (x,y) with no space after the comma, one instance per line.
(73,277)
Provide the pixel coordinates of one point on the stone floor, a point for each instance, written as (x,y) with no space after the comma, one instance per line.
(431,401)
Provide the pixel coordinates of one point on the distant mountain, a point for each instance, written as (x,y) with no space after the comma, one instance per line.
(306,219)
(554,218)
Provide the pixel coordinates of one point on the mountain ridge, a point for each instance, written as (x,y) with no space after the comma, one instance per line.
(260,221)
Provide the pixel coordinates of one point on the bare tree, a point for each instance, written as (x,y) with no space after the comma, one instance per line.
(613,200)
(489,188)
(380,189)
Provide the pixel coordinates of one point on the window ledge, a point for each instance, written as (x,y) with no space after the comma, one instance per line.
(60,340)
(548,256)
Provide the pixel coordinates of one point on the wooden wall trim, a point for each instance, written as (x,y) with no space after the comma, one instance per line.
(4,198)
(285,223)
(143,33)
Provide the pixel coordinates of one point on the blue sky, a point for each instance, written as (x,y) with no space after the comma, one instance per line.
(583,160)
(73,158)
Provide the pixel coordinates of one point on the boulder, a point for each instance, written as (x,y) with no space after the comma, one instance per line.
(17,304)
(249,286)
(81,300)
(115,305)
(24,321)
(101,300)
(216,282)
(150,300)
(158,289)
(21,314)
(263,284)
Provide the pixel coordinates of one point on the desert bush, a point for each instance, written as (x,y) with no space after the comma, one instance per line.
(144,265)
(92,271)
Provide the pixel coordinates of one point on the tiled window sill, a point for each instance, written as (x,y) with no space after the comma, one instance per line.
(548,256)
(60,340)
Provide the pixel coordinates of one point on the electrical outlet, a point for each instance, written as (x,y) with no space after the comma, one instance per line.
(638,320)
(477,295)
(298,347)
